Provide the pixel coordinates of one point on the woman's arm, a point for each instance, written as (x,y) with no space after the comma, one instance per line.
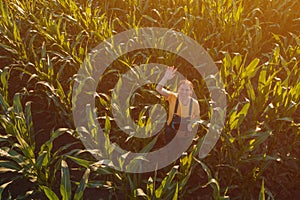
(169,74)
(195,116)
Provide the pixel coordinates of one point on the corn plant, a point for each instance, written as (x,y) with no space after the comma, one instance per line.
(18,153)
(255,44)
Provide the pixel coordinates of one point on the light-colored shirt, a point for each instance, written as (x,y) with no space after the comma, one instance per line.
(182,110)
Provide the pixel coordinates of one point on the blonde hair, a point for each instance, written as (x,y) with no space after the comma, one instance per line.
(185,81)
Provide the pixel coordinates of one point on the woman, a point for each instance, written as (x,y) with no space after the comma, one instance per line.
(187,109)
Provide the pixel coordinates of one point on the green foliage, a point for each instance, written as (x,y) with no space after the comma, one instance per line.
(256,46)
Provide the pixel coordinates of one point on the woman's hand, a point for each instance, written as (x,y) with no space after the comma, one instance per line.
(170,73)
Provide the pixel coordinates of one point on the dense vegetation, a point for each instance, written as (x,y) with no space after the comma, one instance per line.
(255,44)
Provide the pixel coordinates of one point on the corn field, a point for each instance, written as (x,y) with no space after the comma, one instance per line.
(255,45)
